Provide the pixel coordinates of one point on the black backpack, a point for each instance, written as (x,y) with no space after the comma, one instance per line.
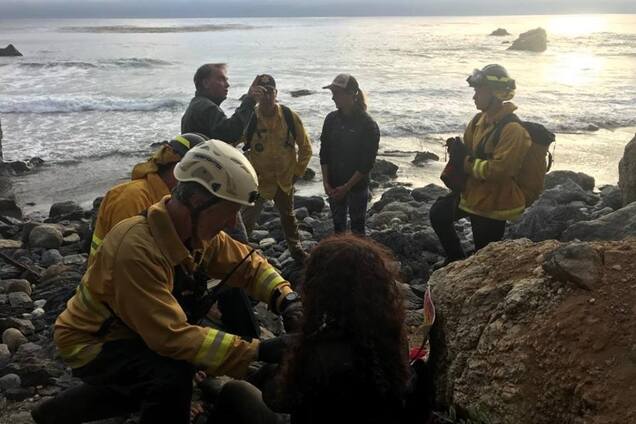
(252,129)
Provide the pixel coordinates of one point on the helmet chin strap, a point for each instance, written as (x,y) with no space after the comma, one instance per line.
(194,216)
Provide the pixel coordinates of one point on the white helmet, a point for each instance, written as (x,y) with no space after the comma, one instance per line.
(222,170)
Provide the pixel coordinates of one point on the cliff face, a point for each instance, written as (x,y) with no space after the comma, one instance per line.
(539,332)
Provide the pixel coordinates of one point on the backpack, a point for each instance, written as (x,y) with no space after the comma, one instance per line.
(537,161)
(252,128)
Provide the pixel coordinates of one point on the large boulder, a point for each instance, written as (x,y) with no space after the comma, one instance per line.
(395,194)
(429,192)
(8,207)
(383,170)
(422,158)
(611,197)
(614,226)
(555,178)
(499,32)
(10,50)
(627,173)
(46,236)
(65,210)
(535,40)
(312,203)
(523,346)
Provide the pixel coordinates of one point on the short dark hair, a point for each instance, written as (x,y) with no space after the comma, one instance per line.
(184,190)
(205,71)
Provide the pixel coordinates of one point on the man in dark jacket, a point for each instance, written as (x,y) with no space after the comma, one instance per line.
(204,114)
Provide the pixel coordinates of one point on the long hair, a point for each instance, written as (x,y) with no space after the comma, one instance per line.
(360,100)
(350,289)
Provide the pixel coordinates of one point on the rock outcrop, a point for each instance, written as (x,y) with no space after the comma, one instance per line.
(627,173)
(535,40)
(525,335)
(499,32)
(10,50)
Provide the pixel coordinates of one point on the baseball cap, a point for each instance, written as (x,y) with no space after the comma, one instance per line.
(266,81)
(345,81)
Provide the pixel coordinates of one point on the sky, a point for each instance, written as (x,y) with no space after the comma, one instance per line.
(252,8)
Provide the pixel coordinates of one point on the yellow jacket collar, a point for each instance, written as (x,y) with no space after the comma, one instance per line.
(165,233)
(506,109)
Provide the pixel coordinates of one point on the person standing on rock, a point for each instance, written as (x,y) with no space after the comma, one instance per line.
(270,139)
(490,194)
(150,182)
(204,114)
(125,335)
(348,146)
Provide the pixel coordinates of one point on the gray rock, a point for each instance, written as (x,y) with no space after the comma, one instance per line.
(545,221)
(10,244)
(20,394)
(567,192)
(424,157)
(78,259)
(411,300)
(627,173)
(70,239)
(258,235)
(5,355)
(499,32)
(65,209)
(617,225)
(19,299)
(612,196)
(535,40)
(24,326)
(28,349)
(309,174)
(301,213)
(10,381)
(383,168)
(395,194)
(579,263)
(301,93)
(10,50)
(18,285)
(37,313)
(8,207)
(555,178)
(313,204)
(39,303)
(265,243)
(429,192)
(13,338)
(45,236)
(50,257)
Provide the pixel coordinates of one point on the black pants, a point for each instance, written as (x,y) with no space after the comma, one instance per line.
(159,387)
(445,211)
(355,204)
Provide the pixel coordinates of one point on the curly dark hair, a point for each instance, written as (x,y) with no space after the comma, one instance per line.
(350,288)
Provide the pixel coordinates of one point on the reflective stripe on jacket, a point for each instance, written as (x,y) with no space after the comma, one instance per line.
(123,201)
(132,277)
(274,157)
(491,190)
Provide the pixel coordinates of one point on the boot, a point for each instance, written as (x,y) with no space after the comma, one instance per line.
(82,404)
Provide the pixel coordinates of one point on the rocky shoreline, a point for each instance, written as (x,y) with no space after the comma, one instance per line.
(486,303)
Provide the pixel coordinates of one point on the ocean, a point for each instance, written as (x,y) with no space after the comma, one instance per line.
(90,96)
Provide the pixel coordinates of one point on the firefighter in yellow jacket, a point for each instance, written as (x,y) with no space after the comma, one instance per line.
(124,333)
(279,150)
(490,195)
(150,182)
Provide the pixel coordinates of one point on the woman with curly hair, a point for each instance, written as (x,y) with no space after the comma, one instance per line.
(349,363)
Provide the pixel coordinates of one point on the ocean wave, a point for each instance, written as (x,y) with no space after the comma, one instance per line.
(133,62)
(132,29)
(52,104)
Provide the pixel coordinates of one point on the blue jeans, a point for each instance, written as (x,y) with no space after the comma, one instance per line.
(355,202)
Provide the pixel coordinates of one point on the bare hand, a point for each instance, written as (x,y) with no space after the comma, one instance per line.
(328,189)
(340,192)
(256,91)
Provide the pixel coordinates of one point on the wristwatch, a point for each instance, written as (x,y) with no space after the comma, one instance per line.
(287,300)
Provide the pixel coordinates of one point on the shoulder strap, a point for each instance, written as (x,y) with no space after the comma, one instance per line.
(289,120)
(250,130)
(496,134)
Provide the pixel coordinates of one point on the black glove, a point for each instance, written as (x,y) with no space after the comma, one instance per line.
(292,314)
(457,151)
(272,350)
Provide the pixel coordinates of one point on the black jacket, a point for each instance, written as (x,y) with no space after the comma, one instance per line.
(349,144)
(206,117)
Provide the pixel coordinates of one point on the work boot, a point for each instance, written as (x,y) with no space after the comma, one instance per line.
(82,404)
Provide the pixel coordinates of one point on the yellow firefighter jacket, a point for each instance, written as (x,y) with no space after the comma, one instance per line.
(123,201)
(491,190)
(131,278)
(274,157)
